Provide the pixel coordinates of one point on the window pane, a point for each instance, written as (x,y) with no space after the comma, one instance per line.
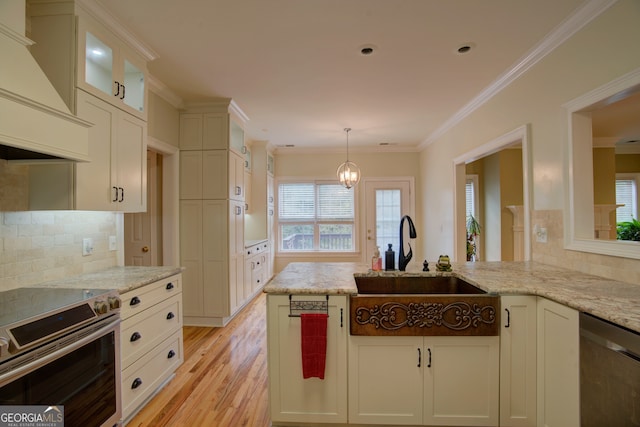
(626,195)
(296,237)
(388,214)
(336,237)
(334,202)
(296,201)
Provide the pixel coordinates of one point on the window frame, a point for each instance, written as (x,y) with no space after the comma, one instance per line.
(316,223)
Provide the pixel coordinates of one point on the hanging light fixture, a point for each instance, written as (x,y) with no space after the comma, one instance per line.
(348,172)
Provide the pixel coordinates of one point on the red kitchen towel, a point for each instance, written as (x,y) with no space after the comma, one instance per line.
(314,344)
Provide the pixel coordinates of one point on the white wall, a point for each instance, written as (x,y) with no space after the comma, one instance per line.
(603,50)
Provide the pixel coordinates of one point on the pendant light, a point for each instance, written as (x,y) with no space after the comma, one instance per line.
(348,172)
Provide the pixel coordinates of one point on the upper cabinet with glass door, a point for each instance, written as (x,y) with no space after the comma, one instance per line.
(110,70)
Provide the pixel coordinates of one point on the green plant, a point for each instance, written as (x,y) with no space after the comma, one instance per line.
(629,230)
(473,231)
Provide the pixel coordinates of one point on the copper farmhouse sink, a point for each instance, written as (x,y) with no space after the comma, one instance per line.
(415,285)
(423,306)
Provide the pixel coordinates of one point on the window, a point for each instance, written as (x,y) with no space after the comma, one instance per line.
(627,195)
(471,191)
(316,216)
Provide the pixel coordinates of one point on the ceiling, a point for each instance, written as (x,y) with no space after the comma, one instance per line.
(296,69)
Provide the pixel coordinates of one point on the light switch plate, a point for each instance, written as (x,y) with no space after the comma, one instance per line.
(87,246)
(112,243)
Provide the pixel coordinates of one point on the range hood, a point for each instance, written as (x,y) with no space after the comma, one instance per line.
(34,121)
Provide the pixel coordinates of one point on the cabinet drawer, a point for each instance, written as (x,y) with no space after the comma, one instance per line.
(140,299)
(141,333)
(142,378)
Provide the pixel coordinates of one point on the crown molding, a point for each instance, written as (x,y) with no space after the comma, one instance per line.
(97,11)
(280,150)
(163,91)
(571,25)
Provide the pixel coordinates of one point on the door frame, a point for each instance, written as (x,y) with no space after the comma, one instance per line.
(170,199)
(523,134)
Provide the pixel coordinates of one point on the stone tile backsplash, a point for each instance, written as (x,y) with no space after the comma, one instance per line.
(38,246)
(553,252)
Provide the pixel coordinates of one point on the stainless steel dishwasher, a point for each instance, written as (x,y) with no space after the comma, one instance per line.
(609,374)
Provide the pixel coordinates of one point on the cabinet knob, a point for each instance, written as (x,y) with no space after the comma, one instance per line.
(170,315)
(171,354)
(145,249)
(136,383)
(135,337)
(135,301)
(169,286)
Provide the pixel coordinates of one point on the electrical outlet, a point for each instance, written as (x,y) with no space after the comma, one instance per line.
(112,243)
(87,246)
(541,235)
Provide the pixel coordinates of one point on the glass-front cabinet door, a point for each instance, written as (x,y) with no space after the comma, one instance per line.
(110,71)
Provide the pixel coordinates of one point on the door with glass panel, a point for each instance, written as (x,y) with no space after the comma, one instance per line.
(386,203)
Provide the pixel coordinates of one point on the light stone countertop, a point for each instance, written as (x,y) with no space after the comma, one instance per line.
(618,302)
(121,279)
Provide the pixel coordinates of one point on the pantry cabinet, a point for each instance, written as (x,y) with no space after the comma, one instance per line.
(518,344)
(558,365)
(212,208)
(424,380)
(151,345)
(293,399)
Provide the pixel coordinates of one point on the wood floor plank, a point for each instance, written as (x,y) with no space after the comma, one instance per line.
(223,380)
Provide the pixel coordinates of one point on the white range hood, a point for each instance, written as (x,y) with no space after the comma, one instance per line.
(34,121)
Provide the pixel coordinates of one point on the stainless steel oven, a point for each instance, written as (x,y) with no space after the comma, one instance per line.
(68,355)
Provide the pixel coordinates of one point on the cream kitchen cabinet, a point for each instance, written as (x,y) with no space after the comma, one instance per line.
(212,208)
(151,345)
(518,338)
(262,201)
(293,399)
(424,380)
(75,50)
(212,250)
(558,365)
(256,272)
(116,177)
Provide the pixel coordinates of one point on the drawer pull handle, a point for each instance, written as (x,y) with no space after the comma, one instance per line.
(135,336)
(419,357)
(508,318)
(429,364)
(170,316)
(135,301)
(136,383)
(169,286)
(171,354)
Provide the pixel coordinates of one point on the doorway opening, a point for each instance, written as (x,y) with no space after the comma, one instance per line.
(501,175)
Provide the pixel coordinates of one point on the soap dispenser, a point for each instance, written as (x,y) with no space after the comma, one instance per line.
(376,261)
(390,259)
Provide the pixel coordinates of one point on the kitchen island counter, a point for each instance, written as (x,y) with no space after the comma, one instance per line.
(618,302)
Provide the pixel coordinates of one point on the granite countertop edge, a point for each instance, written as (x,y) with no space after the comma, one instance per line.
(121,279)
(615,301)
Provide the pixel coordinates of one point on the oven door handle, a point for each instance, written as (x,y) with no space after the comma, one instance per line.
(41,361)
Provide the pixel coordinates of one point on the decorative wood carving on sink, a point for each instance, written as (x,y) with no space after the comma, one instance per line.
(425,315)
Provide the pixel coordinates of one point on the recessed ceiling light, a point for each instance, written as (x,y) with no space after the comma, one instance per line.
(465,48)
(368,50)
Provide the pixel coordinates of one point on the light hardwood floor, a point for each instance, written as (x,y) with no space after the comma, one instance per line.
(223,380)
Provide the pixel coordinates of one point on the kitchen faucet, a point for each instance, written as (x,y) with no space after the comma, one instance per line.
(403,259)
